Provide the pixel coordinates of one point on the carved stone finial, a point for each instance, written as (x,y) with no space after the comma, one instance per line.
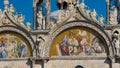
(113,17)
(0,12)
(21,20)
(88,13)
(5,21)
(11,9)
(82,6)
(6,2)
(28,26)
(71,7)
(101,20)
(93,15)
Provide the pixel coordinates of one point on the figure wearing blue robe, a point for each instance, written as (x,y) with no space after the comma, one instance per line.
(3,53)
(23,49)
(115,4)
(64,41)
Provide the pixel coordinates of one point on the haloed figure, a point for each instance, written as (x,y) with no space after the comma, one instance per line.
(22,50)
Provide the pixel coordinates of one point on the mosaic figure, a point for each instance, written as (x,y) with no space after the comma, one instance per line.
(22,50)
(12,47)
(79,43)
(3,53)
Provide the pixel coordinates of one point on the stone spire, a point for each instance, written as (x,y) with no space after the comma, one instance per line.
(108,6)
(6,2)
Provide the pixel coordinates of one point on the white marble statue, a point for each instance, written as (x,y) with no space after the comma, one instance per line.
(115,5)
(70,7)
(113,17)
(88,13)
(39,19)
(101,20)
(82,6)
(28,26)
(116,41)
(11,9)
(5,21)
(40,42)
(21,21)
(16,17)
(93,15)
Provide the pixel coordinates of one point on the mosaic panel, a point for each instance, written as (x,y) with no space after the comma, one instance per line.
(13,45)
(77,42)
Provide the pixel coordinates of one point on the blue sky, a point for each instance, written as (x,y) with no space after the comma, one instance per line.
(25,7)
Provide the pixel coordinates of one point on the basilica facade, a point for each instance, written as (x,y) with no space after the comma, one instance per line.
(71,37)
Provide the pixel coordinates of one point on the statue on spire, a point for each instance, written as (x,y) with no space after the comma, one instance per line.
(6,3)
(115,5)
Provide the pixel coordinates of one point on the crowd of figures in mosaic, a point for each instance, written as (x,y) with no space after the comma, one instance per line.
(79,42)
(12,47)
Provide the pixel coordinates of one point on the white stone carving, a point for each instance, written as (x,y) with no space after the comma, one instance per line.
(21,20)
(88,13)
(101,20)
(40,42)
(113,17)
(11,9)
(6,2)
(70,7)
(5,21)
(116,40)
(28,26)
(93,15)
(82,6)
(39,19)
(0,12)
